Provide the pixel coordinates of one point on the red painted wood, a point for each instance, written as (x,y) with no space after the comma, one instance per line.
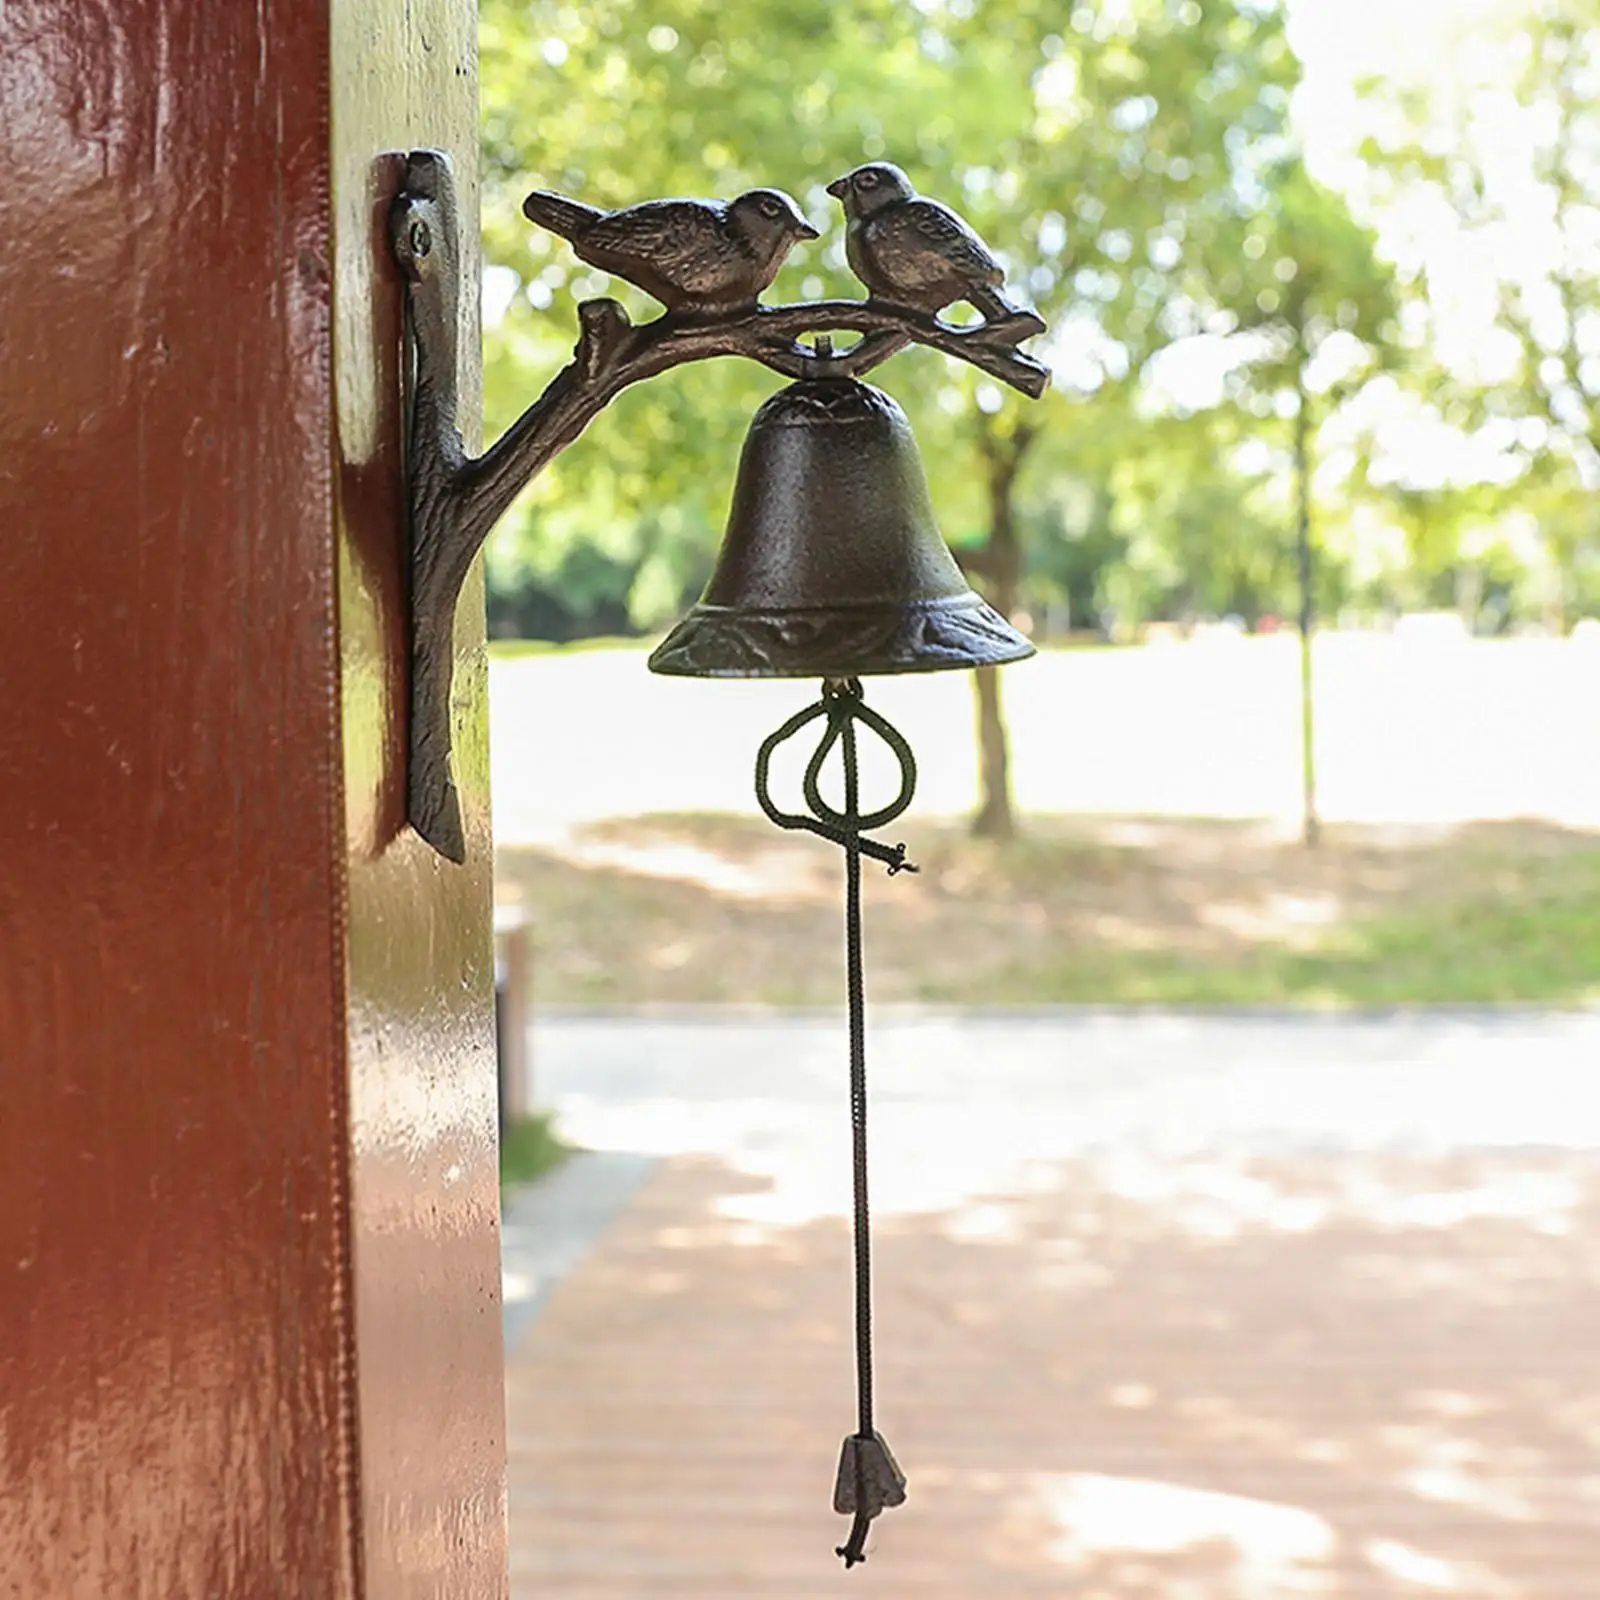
(244,1029)
(175,1367)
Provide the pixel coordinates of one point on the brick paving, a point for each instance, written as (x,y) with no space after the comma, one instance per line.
(1221,1368)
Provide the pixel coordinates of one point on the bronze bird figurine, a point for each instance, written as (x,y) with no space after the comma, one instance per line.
(914,253)
(694,256)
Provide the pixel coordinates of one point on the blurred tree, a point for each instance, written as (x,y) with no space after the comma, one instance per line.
(1506,153)
(1102,150)
(1107,191)
(1203,536)
(1155,514)
(1316,311)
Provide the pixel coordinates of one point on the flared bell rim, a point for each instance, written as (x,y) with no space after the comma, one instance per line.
(947,634)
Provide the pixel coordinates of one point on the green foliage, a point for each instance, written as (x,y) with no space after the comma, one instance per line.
(1202,536)
(618,102)
(530,1148)
(1104,152)
(1530,395)
(1134,165)
(1313,301)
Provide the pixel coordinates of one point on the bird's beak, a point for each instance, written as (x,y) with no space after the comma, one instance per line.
(804,230)
(837,187)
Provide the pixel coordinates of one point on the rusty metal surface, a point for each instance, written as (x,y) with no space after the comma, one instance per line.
(421,961)
(707,261)
(915,252)
(694,256)
(176,1392)
(833,565)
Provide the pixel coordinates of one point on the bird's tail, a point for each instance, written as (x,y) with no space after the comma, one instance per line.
(559,214)
(992,302)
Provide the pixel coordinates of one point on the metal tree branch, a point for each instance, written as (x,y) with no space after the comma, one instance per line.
(455,500)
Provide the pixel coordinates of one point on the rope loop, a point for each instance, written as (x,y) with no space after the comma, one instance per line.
(843,705)
(869,1480)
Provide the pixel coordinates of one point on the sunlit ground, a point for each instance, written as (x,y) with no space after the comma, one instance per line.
(1408,901)
(1407,731)
(728,910)
(1167,1309)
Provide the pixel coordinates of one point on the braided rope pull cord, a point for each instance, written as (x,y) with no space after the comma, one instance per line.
(869,1479)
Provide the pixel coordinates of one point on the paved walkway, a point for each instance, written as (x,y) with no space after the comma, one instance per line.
(1168,1309)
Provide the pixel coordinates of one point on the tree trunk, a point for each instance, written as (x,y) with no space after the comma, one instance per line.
(1002,566)
(1311,826)
(996,818)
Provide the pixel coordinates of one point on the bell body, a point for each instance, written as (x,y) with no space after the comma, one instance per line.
(833,565)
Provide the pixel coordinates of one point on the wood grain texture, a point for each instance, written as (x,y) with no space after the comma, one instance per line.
(249,1297)
(421,971)
(176,1389)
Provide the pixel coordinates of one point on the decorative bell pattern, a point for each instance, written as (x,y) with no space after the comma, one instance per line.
(832,565)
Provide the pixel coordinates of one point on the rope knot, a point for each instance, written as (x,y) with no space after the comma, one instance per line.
(900,864)
(844,706)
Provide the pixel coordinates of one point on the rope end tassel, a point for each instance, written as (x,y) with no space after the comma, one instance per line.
(869,1479)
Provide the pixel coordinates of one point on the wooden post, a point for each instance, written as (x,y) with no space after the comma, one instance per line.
(249,1269)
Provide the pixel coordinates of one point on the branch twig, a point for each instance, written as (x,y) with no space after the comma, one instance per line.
(613,353)
(454,500)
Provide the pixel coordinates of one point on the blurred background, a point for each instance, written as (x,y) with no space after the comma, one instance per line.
(1237,1124)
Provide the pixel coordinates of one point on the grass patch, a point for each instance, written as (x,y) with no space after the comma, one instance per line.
(529,1148)
(1110,911)
(1484,948)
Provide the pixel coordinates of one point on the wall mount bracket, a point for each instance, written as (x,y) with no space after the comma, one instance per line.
(453,500)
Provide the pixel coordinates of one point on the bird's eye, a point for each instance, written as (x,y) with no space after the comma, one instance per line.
(771,208)
(868,180)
